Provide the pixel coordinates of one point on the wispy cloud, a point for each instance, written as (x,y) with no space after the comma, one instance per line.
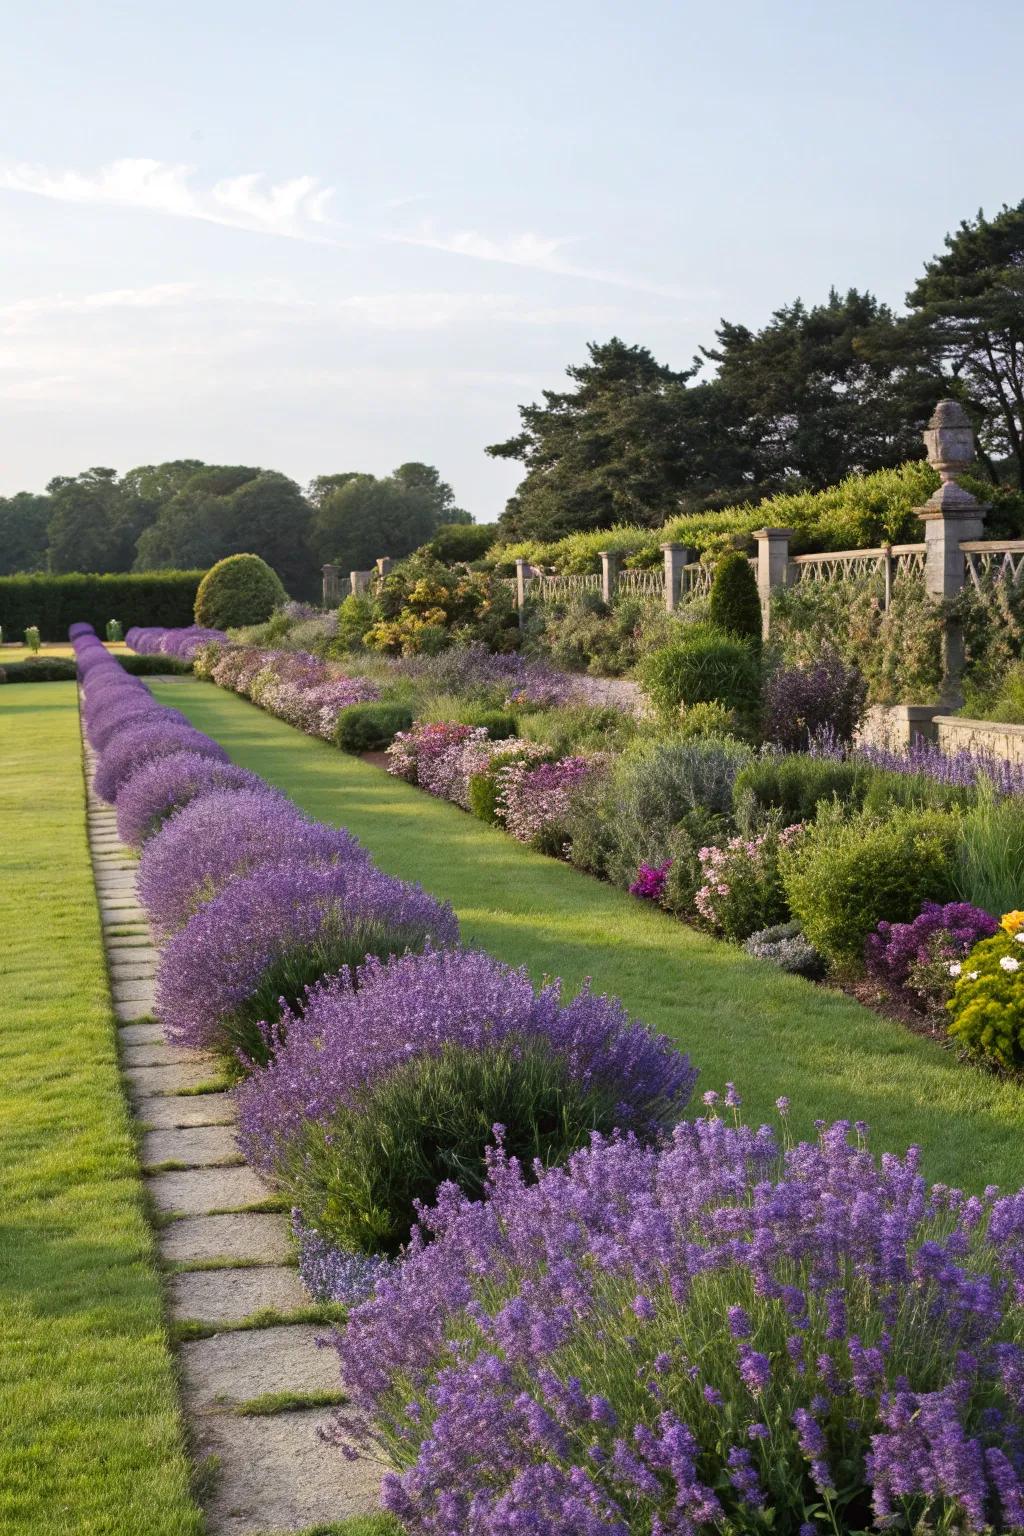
(295,209)
(26,312)
(542,253)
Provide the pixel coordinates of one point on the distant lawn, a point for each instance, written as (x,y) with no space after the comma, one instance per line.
(19,652)
(90,1435)
(740,1020)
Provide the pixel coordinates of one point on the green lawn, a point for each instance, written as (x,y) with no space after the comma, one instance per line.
(91,1439)
(10,651)
(741,1021)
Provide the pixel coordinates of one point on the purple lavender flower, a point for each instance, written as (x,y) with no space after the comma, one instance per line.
(291,923)
(453,1356)
(142,743)
(224,834)
(350,1033)
(166,784)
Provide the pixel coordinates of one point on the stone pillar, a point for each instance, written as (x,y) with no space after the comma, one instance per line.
(523,574)
(360,582)
(384,565)
(330,588)
(772,567)
(676,556)
(950,516)
(609,574)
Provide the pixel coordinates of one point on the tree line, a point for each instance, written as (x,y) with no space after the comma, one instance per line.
(819,392)
(186,514)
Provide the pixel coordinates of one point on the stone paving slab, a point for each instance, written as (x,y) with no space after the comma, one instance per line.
(128,1013)
(138,943)
(145,1081)
(200,1146)
(131,970)
(227,1295)
(141,1034)
(248,1235)
(133,990)
(157,1053)
(167,1111)
(277,1474)
(200,1190)
(228,1368)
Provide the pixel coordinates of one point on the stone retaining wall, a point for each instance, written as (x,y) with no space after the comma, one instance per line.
(995,739)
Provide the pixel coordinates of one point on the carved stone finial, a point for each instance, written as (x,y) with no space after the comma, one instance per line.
(949,440)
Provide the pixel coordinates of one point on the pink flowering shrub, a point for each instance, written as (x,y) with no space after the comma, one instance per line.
(413,754)
(293,685)
(742,890)
(534,802)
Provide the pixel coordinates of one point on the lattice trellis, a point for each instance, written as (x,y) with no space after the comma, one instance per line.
(994,561)
(552,589)
(641,583)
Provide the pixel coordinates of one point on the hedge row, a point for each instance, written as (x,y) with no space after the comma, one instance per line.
(56,602)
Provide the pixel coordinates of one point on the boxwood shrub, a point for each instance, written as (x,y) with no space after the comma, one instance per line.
(370,727)
(240,589)
(703,665)
(845,875)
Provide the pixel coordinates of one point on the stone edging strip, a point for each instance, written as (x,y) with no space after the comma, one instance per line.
(270,1473)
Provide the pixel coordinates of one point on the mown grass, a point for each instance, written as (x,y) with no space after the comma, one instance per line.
(91,1438)
(740,1020)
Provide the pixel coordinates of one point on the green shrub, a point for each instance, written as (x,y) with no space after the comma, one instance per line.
(585,634)
(703,666)
(240,589)
(698,722)
(1005,702)
(452,707)
(987,1006)
(735,607)
(742,891)
(573,728)
(845,875)
(793,786)
(32,638)
(887,790)
(355,619)
(990,872)
(657,785)
(370,727)
(56,602)
(41,669)
(152,666)
(357,1180)
(115,633)
(456,543)
(698,829)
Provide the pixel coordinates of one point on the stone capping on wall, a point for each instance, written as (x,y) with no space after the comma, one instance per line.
(994,738)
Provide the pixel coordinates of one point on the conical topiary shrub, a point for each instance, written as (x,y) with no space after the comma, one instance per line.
(735,605)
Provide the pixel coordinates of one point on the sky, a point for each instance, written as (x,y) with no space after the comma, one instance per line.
(330,236)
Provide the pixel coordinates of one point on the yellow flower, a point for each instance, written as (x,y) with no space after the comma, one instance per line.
(1012,922)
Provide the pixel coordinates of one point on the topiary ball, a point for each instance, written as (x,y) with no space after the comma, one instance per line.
(241,589)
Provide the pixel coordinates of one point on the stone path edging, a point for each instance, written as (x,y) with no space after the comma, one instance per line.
(274,1473)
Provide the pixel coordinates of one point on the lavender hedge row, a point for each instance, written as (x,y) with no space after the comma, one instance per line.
(710,1332)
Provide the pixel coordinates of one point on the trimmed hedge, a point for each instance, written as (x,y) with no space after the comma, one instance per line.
(54,603)
(48,669)
(370,727)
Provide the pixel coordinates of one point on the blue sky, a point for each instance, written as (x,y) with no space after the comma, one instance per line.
(326,236)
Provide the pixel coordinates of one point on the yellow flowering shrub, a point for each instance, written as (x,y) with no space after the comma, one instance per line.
(987,1006)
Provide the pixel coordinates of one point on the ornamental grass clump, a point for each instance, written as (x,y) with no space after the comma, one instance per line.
(987,1006)
(140,743)
(711,1335)
(256,947)
(167,784)
(920,960)
(225,834)
(389,1081)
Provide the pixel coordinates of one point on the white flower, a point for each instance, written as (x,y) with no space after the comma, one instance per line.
(955,968)
(1018,938)
(973,975)
(1008,963)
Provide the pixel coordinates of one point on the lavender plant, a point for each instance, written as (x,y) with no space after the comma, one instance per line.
(712,1335)
(225,834)
(256,947)
(167,784)
(144,742)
